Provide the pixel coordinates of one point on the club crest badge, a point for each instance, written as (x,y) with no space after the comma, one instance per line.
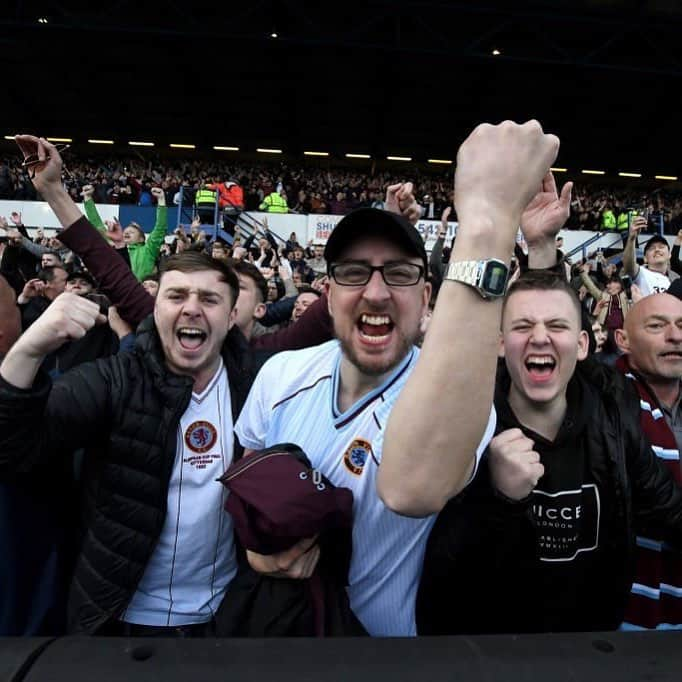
(200,436)
(356,456)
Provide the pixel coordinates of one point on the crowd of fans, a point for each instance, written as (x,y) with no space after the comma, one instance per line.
(313,189)
(557,507)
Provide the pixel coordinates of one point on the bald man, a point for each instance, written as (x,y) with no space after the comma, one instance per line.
(651,342)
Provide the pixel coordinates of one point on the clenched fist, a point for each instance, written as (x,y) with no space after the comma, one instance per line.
(68,317)
(500,169)
(160,196)
(515,467)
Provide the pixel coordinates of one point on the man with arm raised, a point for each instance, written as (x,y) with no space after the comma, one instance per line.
(440,416)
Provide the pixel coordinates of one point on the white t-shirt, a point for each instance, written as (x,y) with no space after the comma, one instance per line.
(651,282)
(294,399)
(194,560)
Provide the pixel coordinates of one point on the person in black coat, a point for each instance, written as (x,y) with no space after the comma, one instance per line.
(126,412)
(544,538)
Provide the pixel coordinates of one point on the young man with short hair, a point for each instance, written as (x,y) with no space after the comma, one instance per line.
(158,551)
(50,259)
(306,297)
(253,293)
(544,539)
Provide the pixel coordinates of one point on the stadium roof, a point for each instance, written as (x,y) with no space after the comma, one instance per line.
(377,77)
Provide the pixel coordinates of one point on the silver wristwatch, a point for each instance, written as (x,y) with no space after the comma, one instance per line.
(488,277)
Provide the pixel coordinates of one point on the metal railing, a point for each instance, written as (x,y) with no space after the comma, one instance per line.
(248,225)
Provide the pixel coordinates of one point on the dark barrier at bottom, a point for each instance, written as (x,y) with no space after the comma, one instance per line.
(585,657)
(17,655)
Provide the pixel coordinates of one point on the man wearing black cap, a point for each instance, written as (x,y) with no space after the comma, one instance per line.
(334,400)
(80,282)
(652,278)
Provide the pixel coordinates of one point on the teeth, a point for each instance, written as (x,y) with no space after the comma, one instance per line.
(375,320)
(539,360)
(188,331)
(375,339)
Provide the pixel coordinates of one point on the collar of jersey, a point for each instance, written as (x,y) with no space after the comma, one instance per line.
(360,405)
(200,397)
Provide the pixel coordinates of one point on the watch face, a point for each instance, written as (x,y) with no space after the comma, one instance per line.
(494,278)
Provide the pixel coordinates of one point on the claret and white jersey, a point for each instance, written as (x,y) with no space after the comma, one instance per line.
(194,560)
(294,399)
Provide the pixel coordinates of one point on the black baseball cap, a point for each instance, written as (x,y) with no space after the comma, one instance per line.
(84,275)
(656,239)
(365,222)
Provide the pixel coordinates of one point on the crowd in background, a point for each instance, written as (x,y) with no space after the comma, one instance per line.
(317,189)
(284,293)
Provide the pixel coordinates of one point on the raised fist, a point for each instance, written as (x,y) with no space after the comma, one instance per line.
(87,192)
(160,196)
(515,467)
(68,317)
(500,168)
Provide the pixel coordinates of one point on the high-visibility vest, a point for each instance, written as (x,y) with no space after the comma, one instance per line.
(622,222)
(205,196)
(608,220)
(274,203)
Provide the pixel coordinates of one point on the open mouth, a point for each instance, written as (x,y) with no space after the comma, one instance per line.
(540,367)
(672,355)
(375,328)
(191,338)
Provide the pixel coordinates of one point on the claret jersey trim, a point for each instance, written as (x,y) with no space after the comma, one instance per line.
(340,420)
(301,390)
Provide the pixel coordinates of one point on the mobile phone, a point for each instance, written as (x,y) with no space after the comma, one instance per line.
(636,213)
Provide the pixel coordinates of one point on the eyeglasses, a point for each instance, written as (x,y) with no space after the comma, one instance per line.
(358,273)
(32,160)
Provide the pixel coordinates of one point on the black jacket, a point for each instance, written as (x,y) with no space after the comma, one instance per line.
(474,564)
(124,410)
